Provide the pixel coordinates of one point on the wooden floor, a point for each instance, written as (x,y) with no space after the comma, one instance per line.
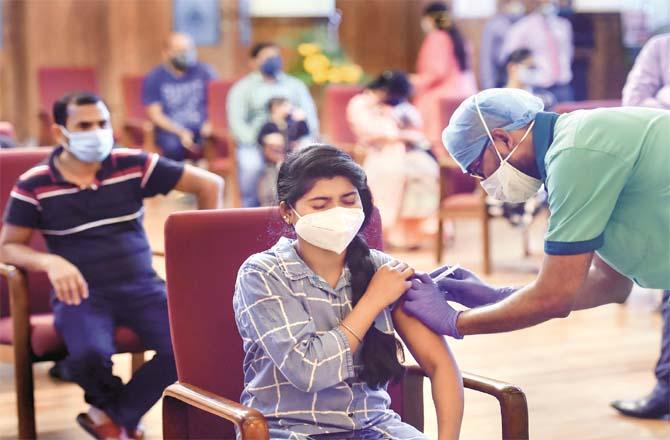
(570,369)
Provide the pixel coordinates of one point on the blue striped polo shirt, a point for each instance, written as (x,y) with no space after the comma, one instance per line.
(98,229)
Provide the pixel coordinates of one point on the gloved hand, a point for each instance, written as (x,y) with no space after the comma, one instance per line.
(464,287)
(425,302)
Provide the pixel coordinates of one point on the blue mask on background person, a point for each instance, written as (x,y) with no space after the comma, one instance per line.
(90,146)
(271,66)
(184,60)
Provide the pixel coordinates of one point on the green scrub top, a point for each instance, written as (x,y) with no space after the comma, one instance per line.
(607,174)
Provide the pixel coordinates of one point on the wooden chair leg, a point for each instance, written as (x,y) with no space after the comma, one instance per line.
(439,240)
(25,396)
(23,363)
(486,246)
(136,362)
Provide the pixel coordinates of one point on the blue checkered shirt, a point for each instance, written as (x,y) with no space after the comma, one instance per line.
(299,370)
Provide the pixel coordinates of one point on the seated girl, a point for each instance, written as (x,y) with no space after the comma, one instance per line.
(317,316)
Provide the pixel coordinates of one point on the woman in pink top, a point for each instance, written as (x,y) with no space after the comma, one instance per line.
(442,68)
(403,177)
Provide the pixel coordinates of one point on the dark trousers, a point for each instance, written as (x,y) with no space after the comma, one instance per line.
(663,365)
(171,147)
(88,331)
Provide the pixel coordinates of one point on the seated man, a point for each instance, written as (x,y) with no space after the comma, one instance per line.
(246,107)
(87,201)
(175,96)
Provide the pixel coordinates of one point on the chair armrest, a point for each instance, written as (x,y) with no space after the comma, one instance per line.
(140,132)
(249,422)
(412,392)
(513,405)
(19,309)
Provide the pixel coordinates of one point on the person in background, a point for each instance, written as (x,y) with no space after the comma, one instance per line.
(648,85)
(7,135)
(520,72)
(403,176)
(86,199)
(442,67)
(246,107)
(490,68)
(278,137)
(549,38)
(317,316)
(175,96)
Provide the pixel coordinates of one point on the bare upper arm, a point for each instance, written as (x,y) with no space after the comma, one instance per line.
(11,234)
(564,272)
(428,348)
(194,179)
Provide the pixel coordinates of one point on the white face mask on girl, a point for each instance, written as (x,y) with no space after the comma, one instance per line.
(332,229)
(507,183)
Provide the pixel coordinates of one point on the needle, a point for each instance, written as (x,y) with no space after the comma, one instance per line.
(447,272)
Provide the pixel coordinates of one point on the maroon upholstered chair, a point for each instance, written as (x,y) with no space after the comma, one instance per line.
(460,197)
(336,125)
(137,128)
(571,106)
(27,333)
(220,152)
(54,82)
(204,250)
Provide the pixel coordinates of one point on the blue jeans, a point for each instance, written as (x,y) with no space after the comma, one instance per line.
(250,168)
(88,331)
(170,144)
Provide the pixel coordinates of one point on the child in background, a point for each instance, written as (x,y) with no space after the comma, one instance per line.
(278,137)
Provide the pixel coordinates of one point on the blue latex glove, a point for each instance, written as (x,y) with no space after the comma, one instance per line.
(464,287)
(425,302)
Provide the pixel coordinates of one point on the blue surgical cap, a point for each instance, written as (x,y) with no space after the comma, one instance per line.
(511,109)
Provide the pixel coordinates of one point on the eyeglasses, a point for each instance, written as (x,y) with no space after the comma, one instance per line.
(475,169)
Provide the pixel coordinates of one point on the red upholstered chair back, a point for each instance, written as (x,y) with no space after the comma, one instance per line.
(217,93)
(55,82)
(204,250)
(456,182)
(335,113)
(13,163)
(131,86)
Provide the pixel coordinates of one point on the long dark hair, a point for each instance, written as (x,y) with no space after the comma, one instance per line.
(439,12)
(297,175)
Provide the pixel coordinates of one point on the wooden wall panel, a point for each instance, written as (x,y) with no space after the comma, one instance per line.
(126,37)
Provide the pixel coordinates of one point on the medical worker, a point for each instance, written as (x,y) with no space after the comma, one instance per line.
(607,174)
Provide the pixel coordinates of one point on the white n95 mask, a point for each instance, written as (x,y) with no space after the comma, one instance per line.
(507,183)
(90,146)
(332,229)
